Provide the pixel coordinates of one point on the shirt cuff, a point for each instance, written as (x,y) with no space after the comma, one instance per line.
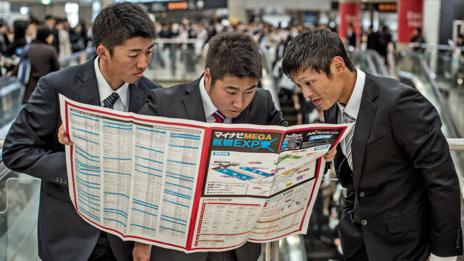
(439,258)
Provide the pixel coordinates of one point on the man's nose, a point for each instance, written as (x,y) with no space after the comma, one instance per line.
(239,101)
(307,93)
(143,61)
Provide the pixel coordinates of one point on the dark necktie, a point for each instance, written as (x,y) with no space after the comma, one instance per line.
(349,138)
(218,117)
(110,100)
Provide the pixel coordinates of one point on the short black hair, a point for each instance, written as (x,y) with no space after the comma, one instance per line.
(314,50)
(119,22)
(42,33)
(233,54)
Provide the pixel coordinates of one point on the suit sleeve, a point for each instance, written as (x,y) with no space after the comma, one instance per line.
(29,142)
(274,116)
(417,128)
(152,105)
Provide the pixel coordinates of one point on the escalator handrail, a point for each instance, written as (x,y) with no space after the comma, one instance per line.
(450,124)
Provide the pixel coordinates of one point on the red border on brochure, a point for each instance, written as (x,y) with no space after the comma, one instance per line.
(202,169)
(71,154)
(199,189)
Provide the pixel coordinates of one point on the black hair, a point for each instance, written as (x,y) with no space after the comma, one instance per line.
(119,22)
(42,34)
(314,50)
(19,29)
(233,54)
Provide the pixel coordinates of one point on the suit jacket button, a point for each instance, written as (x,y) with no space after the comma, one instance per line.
(362,194)
(364,222)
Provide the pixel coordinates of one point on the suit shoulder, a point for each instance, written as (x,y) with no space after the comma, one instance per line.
(147,84)
(172,92)
(392,89)
(261,93)
(64,76)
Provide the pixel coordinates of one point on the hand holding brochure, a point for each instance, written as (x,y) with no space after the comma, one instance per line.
(193,186)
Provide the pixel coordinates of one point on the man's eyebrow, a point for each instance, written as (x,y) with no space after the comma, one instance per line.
(139,49)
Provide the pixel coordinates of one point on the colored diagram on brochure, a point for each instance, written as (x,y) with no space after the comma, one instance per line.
(294,167)
(234,170)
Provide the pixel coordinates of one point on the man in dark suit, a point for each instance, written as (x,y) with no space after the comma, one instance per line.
(227,92)
(124,37)
(403,198)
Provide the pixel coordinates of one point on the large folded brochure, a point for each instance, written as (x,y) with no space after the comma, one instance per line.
(192,186)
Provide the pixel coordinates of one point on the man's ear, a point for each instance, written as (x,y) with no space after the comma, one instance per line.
(208,78)
(337,67)
(102,52)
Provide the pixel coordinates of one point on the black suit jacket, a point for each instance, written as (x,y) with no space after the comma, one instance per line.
(184,101)
(32,147)
(403,194)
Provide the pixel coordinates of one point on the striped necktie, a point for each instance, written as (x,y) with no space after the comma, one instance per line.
(349,139)
(110,100)
(218,117)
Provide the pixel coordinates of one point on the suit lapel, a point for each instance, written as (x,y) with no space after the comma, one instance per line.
(363,126)
(87,88)
(135,98)
(331,114)
(193,104)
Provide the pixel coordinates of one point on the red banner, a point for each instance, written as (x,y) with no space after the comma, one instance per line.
(409,17)
(350,13)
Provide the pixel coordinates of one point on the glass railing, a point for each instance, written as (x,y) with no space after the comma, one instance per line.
(11,93)
(413,69)
(19,204)
(447,66)
(176,61)
(369,61)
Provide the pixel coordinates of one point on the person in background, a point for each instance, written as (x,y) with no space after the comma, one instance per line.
(19,40)
(403,199)
(79,37)
(417,40)
(351,36)
(42,57)
(50,21)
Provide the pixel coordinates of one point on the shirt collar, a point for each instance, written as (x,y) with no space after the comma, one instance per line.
(352,107)
(208,105)
(105,89)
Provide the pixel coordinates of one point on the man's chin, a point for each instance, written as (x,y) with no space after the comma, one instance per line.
(231,114)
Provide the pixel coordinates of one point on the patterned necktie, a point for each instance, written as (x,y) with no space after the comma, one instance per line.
(349,138)
(218,117)
(110,100)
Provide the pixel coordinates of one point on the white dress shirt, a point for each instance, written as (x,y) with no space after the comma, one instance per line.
(105,90)
(352,109)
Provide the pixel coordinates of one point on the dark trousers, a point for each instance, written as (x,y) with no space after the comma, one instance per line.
(102,250)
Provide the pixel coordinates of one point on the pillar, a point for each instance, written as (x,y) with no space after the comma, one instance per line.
(409,17)
(349,12)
